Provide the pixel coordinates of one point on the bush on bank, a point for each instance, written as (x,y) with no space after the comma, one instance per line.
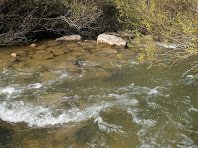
(168,21)
(25,20)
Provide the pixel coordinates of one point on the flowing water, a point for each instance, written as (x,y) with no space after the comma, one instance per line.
(102,100)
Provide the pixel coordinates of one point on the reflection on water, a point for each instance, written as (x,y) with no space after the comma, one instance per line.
(92,99)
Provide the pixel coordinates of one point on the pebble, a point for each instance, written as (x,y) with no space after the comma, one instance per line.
(33,45)
(14,55)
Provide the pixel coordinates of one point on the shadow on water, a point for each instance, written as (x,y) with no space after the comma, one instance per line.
(5,136)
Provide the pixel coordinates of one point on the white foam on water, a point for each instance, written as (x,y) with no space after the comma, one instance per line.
(124,99)
(4,71)
(35,85)
(146,142)
(8,90)
(81,75)
(192,109)
(146,146)
(87,63)
(143,122)
(145,92)
(116,65)
(117,96)
(61,75)
(40,116)
(14,91)
(132,62)
(11,91)
(108,127)
(153,91)
(121,100)
(64,75)
(131,86)
(189,76)
(23,73)
(185,141)
(139,89)
(128,102)
(167,45)
(153,105)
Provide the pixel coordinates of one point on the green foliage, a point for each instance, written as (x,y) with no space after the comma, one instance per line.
(128,15)
(168,21)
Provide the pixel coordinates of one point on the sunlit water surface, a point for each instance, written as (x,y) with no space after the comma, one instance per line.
(128,106)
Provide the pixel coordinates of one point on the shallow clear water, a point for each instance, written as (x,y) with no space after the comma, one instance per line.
(101,104)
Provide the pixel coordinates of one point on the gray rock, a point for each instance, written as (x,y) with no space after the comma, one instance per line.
(111,40)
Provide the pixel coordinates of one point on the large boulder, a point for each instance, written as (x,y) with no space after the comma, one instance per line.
(73,37)
(111,40)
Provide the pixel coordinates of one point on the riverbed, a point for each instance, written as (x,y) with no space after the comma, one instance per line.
(60,94)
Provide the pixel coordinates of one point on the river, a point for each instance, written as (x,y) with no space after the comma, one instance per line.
(94,97)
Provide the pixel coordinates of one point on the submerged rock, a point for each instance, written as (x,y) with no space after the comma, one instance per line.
(42,54)
(88,44)
(22,53)
(5,61)
(47,76)
(61,137)
(19,65)
(95,72)
(51,98)
(65,65)
(42,46)
(73,37)
(57,52)
(108,51)
(111,40)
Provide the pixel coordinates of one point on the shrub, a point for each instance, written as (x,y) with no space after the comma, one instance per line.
(129,16)
(26,20)
(22,20)
(168,21)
